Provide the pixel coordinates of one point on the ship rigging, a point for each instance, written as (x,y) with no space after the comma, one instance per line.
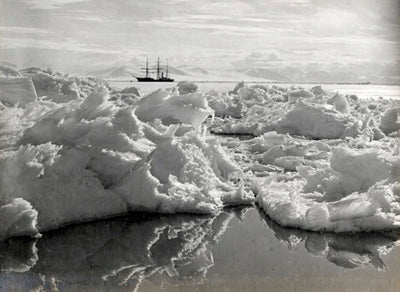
(160,77)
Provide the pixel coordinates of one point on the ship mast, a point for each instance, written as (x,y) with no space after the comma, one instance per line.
(158,68)
(147,67)
(166,73)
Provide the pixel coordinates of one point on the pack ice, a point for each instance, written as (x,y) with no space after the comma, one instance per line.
(358,190)
(78,158)
(314,113)
(322,160)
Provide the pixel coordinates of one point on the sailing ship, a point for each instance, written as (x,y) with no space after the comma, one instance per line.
(160,77)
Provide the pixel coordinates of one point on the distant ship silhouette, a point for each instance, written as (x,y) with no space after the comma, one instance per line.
(160,74)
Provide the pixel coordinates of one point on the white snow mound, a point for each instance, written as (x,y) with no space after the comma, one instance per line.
(89,159)
(359,191)
(313,120)
(172,108)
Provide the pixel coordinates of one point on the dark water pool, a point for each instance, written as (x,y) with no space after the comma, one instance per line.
(238,250)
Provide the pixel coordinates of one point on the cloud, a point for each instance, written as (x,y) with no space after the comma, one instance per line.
(20,29)
(282,31)
(188,23)
(65,45)
(51,4)
(259,60)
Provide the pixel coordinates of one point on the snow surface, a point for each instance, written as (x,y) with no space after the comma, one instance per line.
(314,113)
(80,151)
(322,160)
(358,190)
(173,106)
(89,158)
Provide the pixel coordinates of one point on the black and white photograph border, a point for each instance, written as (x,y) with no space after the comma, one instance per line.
(180,145)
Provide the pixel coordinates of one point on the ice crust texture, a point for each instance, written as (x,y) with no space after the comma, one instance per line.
(356,191)
(314,113)
(86,158)
(322,161)
(76,150)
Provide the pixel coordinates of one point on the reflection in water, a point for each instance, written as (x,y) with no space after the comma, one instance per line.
(18,255)
(121,253)
(116,253)
(347,250)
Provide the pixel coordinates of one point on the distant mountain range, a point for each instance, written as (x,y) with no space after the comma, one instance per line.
(281,73)
(126,71)
(272,69)
(261,73)
(113,72)
(187,72)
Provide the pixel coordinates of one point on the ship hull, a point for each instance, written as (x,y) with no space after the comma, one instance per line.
(144,79)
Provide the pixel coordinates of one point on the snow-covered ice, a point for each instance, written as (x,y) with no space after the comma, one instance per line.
(16,91)
(171,107)
(78,151)
(89,158)
(321,161)
(356,191)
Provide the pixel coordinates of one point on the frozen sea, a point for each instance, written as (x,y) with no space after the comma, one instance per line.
(238,250)
(361,90)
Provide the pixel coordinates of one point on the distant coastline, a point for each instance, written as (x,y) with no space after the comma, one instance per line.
(260,82)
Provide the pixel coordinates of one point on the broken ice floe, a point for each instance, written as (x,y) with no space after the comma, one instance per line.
(88,159)
(355,191)
(321,161)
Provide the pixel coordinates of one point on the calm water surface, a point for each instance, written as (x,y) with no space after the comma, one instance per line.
(237,250)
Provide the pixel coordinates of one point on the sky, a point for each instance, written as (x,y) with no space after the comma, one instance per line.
(356,36)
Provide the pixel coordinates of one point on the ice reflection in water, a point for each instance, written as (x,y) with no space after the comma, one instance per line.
(119,254)
(346,250)
(18,255)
